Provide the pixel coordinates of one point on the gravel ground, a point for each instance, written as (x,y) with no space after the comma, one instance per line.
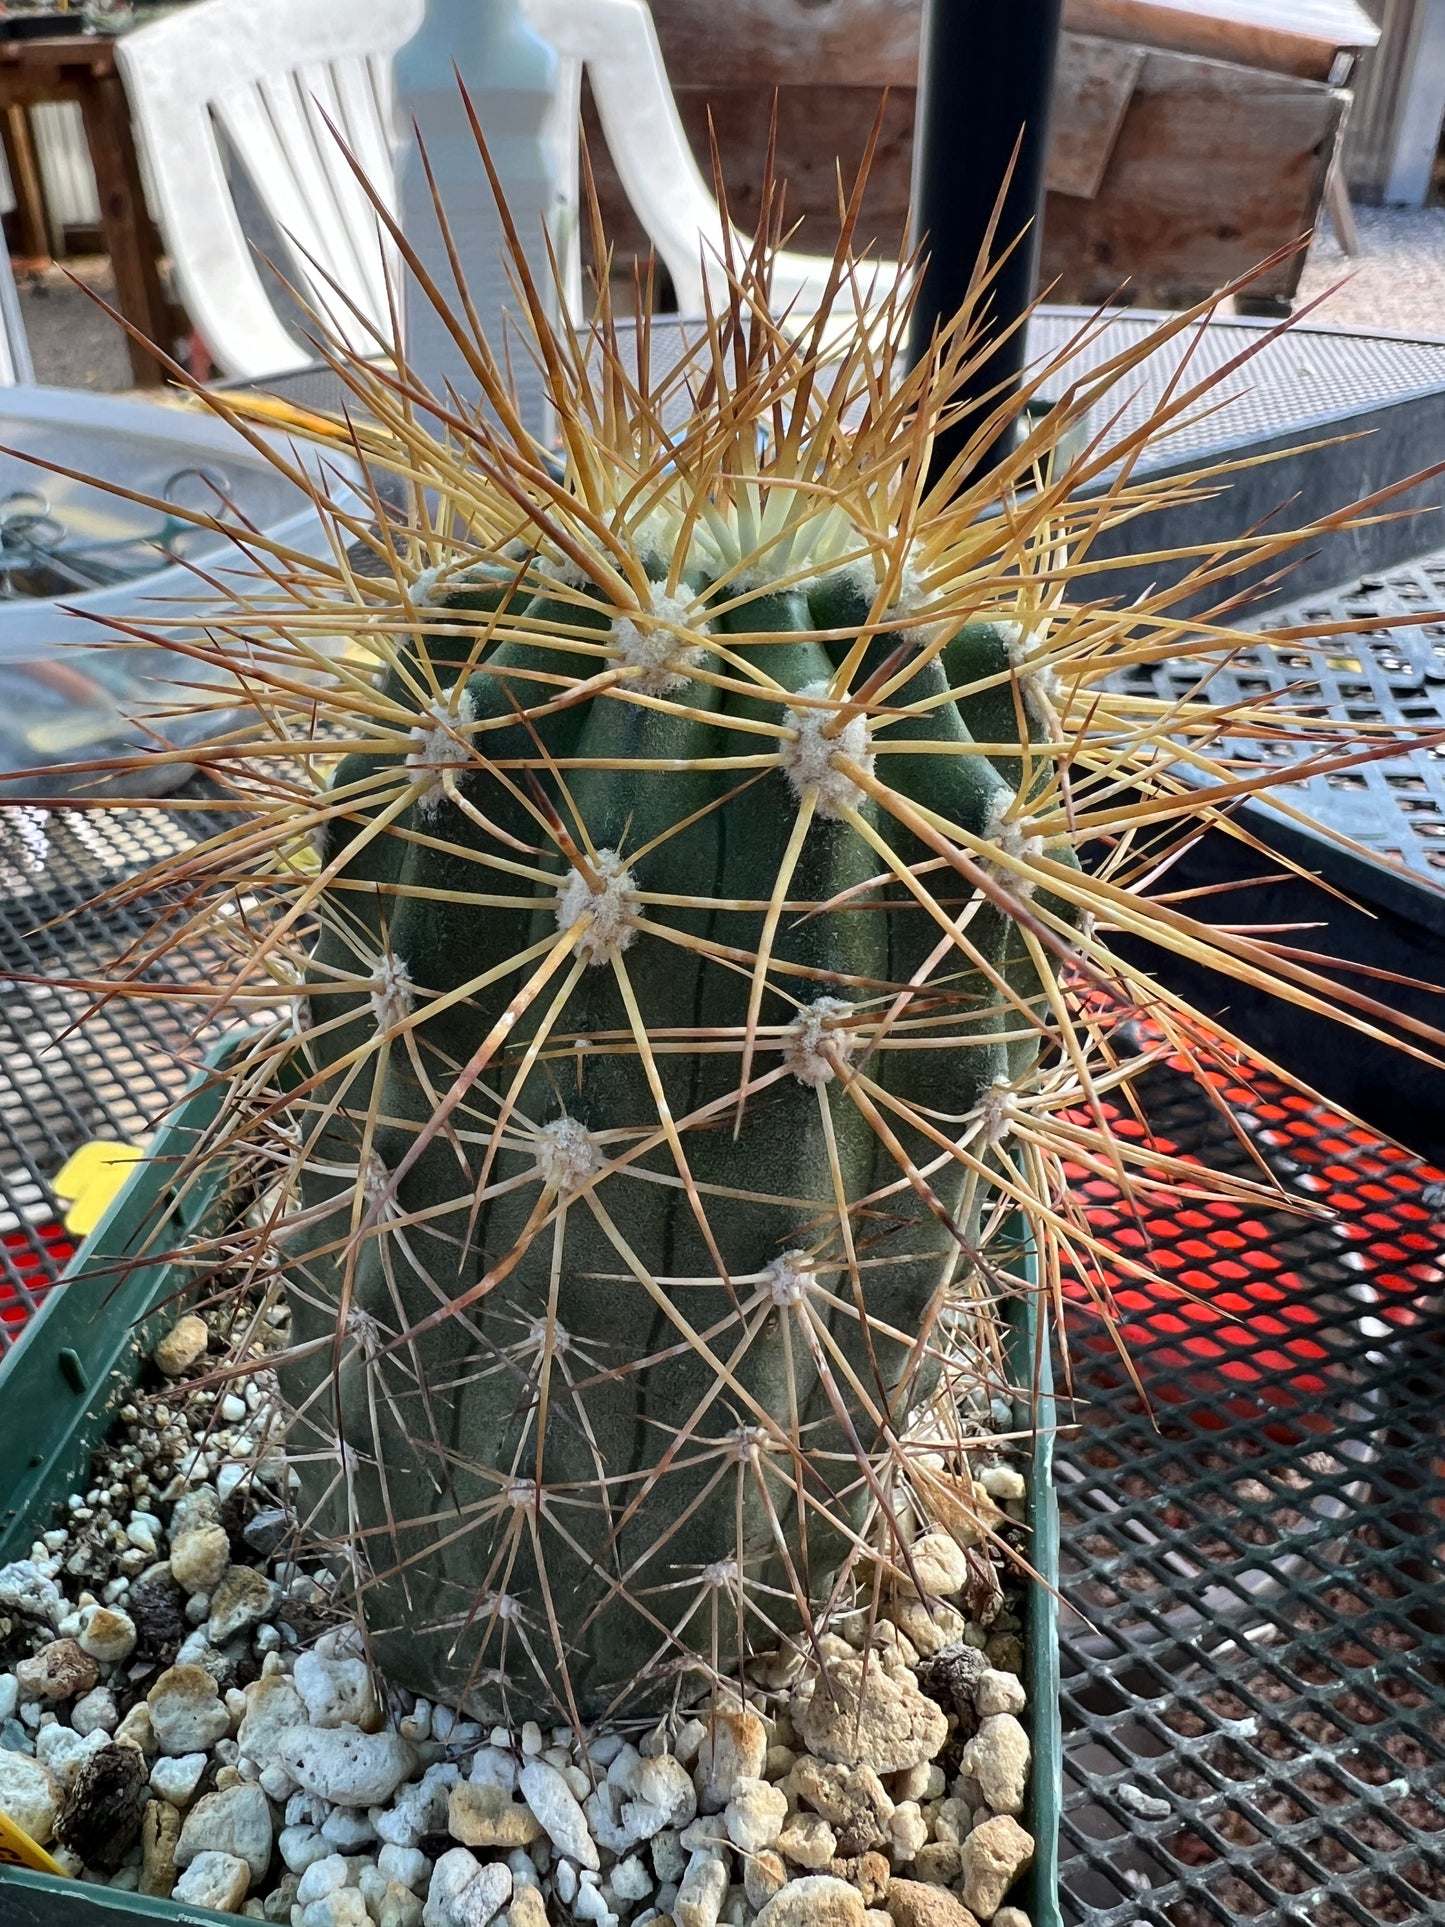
(1397,282)
(73,343)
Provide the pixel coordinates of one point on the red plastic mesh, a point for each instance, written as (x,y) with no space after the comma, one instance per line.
(1226,1310)
(33,1255)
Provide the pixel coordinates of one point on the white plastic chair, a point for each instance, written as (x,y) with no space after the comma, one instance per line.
(16,369)
(261,71)
(265,73)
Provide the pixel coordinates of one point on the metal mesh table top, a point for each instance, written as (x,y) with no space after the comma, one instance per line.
(64,1080)
(1393,670)
(1253,1638)
(1253,1643)
(1307,373)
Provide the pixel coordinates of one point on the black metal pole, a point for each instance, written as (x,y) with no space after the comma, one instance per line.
(985,82)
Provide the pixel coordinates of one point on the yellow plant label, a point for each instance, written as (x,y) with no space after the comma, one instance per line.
(17,1849)
(90,1178)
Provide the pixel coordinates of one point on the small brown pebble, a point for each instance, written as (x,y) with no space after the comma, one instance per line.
(57,1672)
(868,1872)
(182,1345)
(939,1863)
(913,1903)
(160,1833)
(104,1809)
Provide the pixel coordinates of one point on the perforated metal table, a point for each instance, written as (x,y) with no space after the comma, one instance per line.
(1254,1634)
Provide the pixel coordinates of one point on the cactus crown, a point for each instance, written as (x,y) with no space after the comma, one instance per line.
(692,864)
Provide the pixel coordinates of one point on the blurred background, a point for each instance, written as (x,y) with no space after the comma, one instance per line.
(1191,138)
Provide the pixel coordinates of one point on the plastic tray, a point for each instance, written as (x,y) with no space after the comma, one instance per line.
(61,1383)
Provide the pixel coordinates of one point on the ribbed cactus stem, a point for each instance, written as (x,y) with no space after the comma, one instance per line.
(701,986)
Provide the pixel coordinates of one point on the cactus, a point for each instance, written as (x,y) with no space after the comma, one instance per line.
(712,843)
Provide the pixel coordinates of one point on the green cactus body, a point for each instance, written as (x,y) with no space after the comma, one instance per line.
(684,1036)
(678,1333)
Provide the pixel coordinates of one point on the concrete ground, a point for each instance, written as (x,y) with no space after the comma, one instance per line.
(1396,283)
(74,343)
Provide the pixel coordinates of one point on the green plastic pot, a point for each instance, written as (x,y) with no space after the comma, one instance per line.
(81,1355)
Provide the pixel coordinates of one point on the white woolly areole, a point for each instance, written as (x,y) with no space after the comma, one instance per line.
(810,759)
(1018,837)
(567,1155)
(609,932)
(364,1331)
(722,1572)
(745,1442)
(654,533)
(426,584)
(391,993)
(521,1493)
(424,587)
(816,1025)
(861,577)
(562,570)
(1039,681)
(374,1177)
(998,1109)
(912,595)
(789,1279)
(436,748)
(649,642)
(912,592)
(561,1337)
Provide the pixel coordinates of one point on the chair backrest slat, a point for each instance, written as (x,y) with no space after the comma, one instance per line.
(265,77)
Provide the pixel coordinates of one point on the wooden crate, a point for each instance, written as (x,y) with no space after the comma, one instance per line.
(1169,172)
(1215,166)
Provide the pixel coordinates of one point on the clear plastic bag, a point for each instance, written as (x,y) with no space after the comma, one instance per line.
(79,563)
